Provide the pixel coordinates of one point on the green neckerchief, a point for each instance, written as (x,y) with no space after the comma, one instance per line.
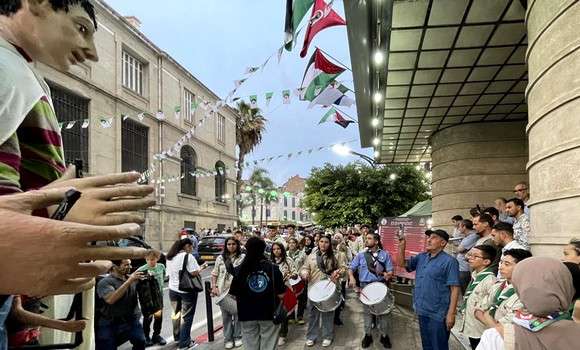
(501,295)
(474,283)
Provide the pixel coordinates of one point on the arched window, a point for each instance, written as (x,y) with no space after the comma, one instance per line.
(220,182)
(188,167)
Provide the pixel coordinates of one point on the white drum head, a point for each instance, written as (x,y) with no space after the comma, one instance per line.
(321,291)
(294,281)
(373,293)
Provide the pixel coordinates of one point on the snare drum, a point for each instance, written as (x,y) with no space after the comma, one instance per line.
(227,302)
(325,296)
(378,298)
(297,285)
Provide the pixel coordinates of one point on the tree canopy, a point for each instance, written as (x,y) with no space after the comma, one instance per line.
(355,193)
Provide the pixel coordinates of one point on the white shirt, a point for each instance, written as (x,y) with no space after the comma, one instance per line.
(174,266)
(512,245)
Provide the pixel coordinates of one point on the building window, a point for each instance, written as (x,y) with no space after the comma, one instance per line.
(75,140)
(189,224)
(221,128)
(293,202)
(285,201)
(268,214)
(220,182)
(285,214)
(293,215)
(301,217)
(188,167)
(188,99)
(132,73)
(135,146)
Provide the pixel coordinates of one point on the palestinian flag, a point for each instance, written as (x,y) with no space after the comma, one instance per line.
(334,116)
(323,16)
(295,12)
(333,95)
(320,73)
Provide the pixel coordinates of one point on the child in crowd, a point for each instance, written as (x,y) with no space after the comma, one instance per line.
(157,270)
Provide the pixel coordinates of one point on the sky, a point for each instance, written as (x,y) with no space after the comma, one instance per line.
(216,40)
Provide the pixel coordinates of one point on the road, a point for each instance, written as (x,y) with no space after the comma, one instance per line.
(199,321)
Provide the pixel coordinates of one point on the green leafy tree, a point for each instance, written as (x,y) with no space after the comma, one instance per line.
(261,190)
(355,193)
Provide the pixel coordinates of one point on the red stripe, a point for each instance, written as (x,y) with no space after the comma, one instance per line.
(10,159)
(36,135)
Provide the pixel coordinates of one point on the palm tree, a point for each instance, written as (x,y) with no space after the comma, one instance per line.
(249,131)
(259,186)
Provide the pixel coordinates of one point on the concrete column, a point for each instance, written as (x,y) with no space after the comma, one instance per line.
(553,96)
(475,163)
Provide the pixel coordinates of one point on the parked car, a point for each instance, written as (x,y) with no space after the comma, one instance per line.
(211,246)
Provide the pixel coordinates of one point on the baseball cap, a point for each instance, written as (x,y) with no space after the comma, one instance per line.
(438,232)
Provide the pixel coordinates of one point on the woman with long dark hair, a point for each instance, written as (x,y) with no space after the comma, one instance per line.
(221,280)
(183,303)
(258,286)
(308,243)
(278,257)
(297,257)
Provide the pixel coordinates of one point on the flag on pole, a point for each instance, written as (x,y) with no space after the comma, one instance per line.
(286,97)
(85,124)
(333,95)
(254,101)
(334,116)
(269,98)
(70,124)
(323,16)
(319,74)
(295,12)
(177,112)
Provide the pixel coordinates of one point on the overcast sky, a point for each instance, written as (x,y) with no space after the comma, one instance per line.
(217,40)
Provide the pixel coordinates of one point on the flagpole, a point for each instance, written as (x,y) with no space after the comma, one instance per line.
(327,54)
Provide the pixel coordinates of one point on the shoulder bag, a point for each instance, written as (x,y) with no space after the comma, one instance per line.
(187,282)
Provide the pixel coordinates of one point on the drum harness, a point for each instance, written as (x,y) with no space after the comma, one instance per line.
(371,261)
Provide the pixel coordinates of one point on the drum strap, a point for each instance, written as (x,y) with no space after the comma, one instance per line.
(371,261)
(322,264)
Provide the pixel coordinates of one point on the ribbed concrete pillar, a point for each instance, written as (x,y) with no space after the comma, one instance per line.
(553,96)
(474,164)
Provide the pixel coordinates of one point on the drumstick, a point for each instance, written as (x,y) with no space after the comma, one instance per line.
(364,295)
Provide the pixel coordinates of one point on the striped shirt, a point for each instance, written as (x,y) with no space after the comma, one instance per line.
(32,156)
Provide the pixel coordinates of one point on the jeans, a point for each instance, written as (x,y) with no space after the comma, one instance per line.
(315,317)
(4,312)
(434,333)
(260,335)
(157,323)
(184,303)
(232,327)
(284,329)
(112,333)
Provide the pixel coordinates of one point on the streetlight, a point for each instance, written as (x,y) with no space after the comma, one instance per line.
(344,151)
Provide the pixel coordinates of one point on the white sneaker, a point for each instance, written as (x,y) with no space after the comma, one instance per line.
(229,345)
(310,342)
(238,343)
(281,341)
(326,343)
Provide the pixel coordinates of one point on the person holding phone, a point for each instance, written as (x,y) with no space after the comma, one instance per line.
(119,314)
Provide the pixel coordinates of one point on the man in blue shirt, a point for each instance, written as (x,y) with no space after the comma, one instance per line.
(372,265)
(436,289)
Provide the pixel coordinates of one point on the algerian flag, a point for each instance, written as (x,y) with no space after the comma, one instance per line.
(269,98)
(251,70)
(295,12)
(177,112)
(254,101)
(85,124)
(70,124)
(333,95)
(106,122)
(286,97)
(319,74)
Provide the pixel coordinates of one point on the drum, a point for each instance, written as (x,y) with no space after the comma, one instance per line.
(297,285)
(228,303)
(378,298)
(290,301)
(325,295)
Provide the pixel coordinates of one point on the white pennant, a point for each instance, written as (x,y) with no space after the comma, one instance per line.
(70,124)
(85,124)
(106,122)
(140,117)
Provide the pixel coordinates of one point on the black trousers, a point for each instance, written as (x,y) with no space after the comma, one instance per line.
(474,342)
(157,322)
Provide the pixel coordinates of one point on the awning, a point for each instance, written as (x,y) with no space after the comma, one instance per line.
(420,209)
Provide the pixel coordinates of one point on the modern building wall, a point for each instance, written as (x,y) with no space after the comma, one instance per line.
(553,96)
(164,83)
(473,164)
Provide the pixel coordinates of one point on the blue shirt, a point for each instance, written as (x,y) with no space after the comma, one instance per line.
(359,264)
(434,276)
(467,243)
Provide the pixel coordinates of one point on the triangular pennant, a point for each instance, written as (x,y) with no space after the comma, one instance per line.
(106,122)
(286,96)
(295,12)
(124,117)
(319,74)
(140,116)
(340,120)
(60,126)
(250,70)
(326,117)
(70,124)
(323,16)
(269,98)
(254,101)
(85,124)
(177,110)
(239,83)
(160,115)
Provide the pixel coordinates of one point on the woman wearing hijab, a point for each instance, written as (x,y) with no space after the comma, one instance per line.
(546,289)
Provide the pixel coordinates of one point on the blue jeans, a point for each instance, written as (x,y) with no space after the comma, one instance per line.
(4,311)
(434,333)
(184,303)
(112,333)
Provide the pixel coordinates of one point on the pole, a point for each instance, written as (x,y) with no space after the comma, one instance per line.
(365,157)
(209,311)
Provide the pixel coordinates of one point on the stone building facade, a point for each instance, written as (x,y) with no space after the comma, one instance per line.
(133,81)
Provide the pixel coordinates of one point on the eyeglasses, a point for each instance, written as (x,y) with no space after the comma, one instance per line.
(469,256)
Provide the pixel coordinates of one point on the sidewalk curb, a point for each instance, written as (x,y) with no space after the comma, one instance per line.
(202,339)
